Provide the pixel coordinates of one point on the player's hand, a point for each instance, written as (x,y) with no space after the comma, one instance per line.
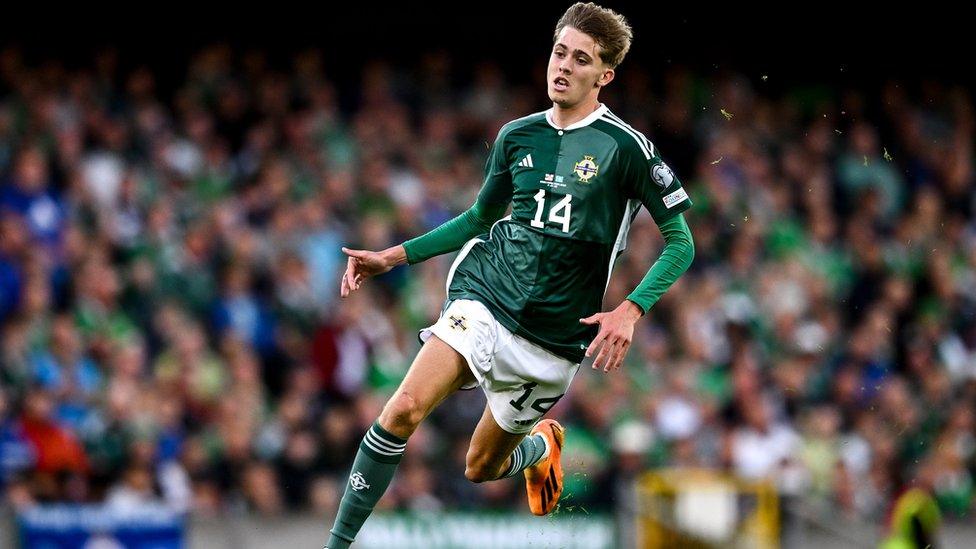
(616,333)
(363,264)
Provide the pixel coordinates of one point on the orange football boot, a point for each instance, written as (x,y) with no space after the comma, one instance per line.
(544,480)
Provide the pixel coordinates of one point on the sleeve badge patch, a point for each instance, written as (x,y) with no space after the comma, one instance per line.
(662,175)
(675,198)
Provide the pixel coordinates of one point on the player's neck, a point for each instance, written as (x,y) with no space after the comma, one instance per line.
(564,117)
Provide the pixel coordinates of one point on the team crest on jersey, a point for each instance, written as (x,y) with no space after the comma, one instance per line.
(586,169)
(458,323)
(662,175)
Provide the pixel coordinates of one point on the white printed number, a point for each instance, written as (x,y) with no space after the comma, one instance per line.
(558,213)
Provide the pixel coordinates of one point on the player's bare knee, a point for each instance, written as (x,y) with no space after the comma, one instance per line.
(402,414)
(478,473)
(478,469)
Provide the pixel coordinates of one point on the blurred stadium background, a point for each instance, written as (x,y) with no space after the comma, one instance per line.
(176,368)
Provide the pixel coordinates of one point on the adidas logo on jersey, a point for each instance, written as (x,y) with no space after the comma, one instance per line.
(526,162)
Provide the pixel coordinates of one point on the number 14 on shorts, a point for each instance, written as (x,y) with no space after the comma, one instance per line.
(541,405)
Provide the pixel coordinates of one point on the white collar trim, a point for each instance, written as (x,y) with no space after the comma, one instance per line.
(580,124)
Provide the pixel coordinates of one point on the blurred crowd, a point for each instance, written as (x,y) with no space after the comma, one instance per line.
(170,327)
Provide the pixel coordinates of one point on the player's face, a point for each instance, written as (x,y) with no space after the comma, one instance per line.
(575,71)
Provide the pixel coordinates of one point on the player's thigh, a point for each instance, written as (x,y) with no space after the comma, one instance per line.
(490,444)
(436,372)
(522,384)
(525,382)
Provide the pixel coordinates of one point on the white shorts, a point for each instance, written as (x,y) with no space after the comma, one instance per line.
(521,379)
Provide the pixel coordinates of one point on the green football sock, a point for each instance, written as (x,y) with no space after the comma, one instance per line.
(529,452)
(377,459)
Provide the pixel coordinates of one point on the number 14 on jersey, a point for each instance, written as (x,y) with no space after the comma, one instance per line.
(559,213)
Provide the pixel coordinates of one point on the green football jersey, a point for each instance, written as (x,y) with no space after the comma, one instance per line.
(574,193)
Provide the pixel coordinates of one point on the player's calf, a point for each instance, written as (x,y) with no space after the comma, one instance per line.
(379,453)
(437,372)
(482,466)
(376,462)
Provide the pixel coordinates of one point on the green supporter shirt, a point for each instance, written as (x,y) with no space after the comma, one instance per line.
(574,193)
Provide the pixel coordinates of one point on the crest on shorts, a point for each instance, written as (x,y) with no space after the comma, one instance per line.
(458,322)
(586,169)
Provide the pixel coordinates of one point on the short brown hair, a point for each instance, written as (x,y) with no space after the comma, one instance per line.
(608,28)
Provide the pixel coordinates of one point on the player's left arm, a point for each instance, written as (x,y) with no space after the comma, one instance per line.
(664,197)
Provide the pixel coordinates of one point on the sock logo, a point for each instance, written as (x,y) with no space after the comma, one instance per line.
(358,482)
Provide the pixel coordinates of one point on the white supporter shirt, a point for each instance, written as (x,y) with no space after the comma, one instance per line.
(757,455)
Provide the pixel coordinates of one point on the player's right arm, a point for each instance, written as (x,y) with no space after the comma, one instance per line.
(490,206)
(450,236)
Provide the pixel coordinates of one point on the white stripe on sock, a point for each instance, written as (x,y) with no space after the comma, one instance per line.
(378,450)
(385,442)
(516,464)
(379,436)
(376,440)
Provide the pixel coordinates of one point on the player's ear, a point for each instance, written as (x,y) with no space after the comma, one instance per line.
(605,78)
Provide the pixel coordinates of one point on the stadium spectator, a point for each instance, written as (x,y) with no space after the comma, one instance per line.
(169,255)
